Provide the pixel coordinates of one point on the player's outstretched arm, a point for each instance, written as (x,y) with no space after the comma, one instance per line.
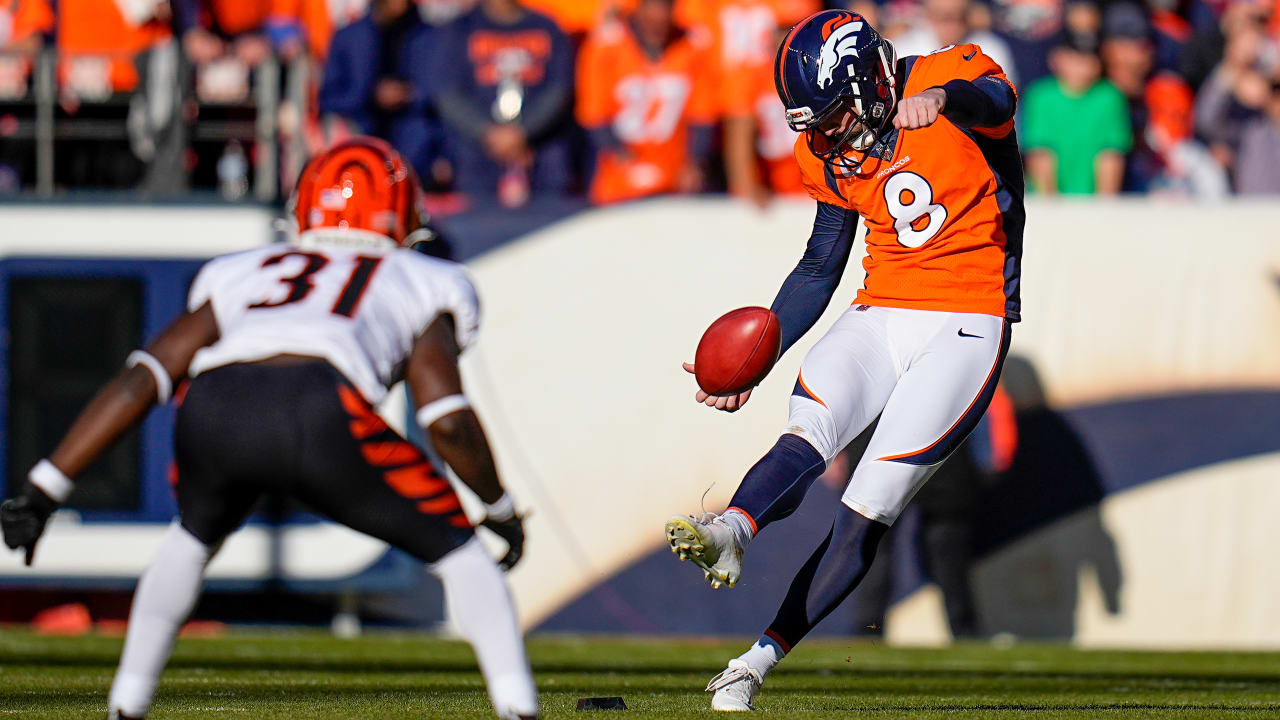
(118,407)
(455,431)
(807,291)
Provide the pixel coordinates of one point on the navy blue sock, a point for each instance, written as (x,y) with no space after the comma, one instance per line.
(830,574)
(774,486)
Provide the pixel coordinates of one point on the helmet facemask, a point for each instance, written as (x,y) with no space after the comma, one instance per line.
(843,133)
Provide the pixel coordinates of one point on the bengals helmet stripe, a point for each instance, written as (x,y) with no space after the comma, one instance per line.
(360,184)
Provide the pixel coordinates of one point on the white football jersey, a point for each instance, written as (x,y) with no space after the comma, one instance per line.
(360,308)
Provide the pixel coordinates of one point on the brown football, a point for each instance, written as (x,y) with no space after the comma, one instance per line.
(737,351)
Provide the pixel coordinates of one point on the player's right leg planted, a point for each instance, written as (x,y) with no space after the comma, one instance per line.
(936,402)
(833,570)
(363,474)
(844,383)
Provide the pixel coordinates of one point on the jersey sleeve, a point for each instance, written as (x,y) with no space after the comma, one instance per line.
(982,76)
(463,303)
(704,100)
(596,60)
(814,176)
(432,288)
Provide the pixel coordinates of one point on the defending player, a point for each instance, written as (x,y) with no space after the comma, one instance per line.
(937,178)
(288,348)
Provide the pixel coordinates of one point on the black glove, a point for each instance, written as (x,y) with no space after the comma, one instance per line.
(23,517)
(511,530)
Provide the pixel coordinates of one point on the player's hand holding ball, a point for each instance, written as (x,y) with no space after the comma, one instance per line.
(920,110)
(734,355)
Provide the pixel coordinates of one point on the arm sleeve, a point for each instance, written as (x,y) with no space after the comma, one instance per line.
(1212,111)
(185,15)
(701,141)
(451,68)
(462,302)
(595,104)
(986,102)
(546,111)
(808,289)
(349,79)
(604,140)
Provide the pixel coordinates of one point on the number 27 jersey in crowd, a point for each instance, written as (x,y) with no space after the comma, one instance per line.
(360,308)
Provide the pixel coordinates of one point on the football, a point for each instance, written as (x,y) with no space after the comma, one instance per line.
(737,351)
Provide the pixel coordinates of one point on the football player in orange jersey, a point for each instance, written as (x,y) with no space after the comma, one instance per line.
(923,149)
(646,96)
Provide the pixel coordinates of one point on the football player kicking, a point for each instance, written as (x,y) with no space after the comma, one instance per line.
(923,149)
(288,347)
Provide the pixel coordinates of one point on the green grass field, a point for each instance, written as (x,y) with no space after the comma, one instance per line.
(311,675)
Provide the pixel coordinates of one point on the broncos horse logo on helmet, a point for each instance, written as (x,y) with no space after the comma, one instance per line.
(835,76)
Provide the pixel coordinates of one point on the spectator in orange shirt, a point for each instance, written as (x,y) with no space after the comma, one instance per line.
(22,25)
(758,143)
(104,52)
(211,29)
(646,95)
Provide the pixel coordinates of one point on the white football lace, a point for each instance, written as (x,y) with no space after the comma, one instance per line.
(703,501)
(731,675)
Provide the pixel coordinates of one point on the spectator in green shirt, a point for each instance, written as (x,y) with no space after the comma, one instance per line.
(1075,125)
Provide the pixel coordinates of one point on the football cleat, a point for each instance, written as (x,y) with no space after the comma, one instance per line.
(735,687)
(710,543)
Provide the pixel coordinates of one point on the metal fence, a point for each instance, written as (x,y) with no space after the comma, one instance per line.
(33,118)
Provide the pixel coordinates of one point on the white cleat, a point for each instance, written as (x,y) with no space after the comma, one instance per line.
(735,688)
(710,543)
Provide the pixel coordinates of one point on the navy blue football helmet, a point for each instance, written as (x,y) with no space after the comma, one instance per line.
(835,75)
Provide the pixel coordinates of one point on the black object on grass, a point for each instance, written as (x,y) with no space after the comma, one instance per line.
(601,703)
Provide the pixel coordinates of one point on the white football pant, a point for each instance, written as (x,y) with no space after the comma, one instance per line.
(928,375)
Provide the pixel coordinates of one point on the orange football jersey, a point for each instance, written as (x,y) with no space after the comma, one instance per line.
(94,39)
(649,104)
(944,228)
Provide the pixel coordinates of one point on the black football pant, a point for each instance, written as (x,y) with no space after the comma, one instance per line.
(296,427)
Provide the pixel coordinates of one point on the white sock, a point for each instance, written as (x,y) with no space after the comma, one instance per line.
(740,526)
(166,593)
(763,656)
(480,603)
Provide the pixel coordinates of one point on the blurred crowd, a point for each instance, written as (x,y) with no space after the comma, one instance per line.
(508,100)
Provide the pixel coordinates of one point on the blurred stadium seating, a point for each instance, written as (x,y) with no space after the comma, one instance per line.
(173,97)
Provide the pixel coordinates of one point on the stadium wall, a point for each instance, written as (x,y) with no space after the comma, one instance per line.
(1144,372)
(1145,376)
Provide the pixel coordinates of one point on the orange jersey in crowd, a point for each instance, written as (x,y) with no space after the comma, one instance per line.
(239,16)
(19,20)
(575,17)
(97,45)
(755,96)
(313,16)
(746,35)
(648,103)
(935,229)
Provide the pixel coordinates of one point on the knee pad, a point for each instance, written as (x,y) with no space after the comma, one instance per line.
(813,422)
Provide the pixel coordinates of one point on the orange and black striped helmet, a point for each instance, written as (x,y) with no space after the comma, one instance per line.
(362,186)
